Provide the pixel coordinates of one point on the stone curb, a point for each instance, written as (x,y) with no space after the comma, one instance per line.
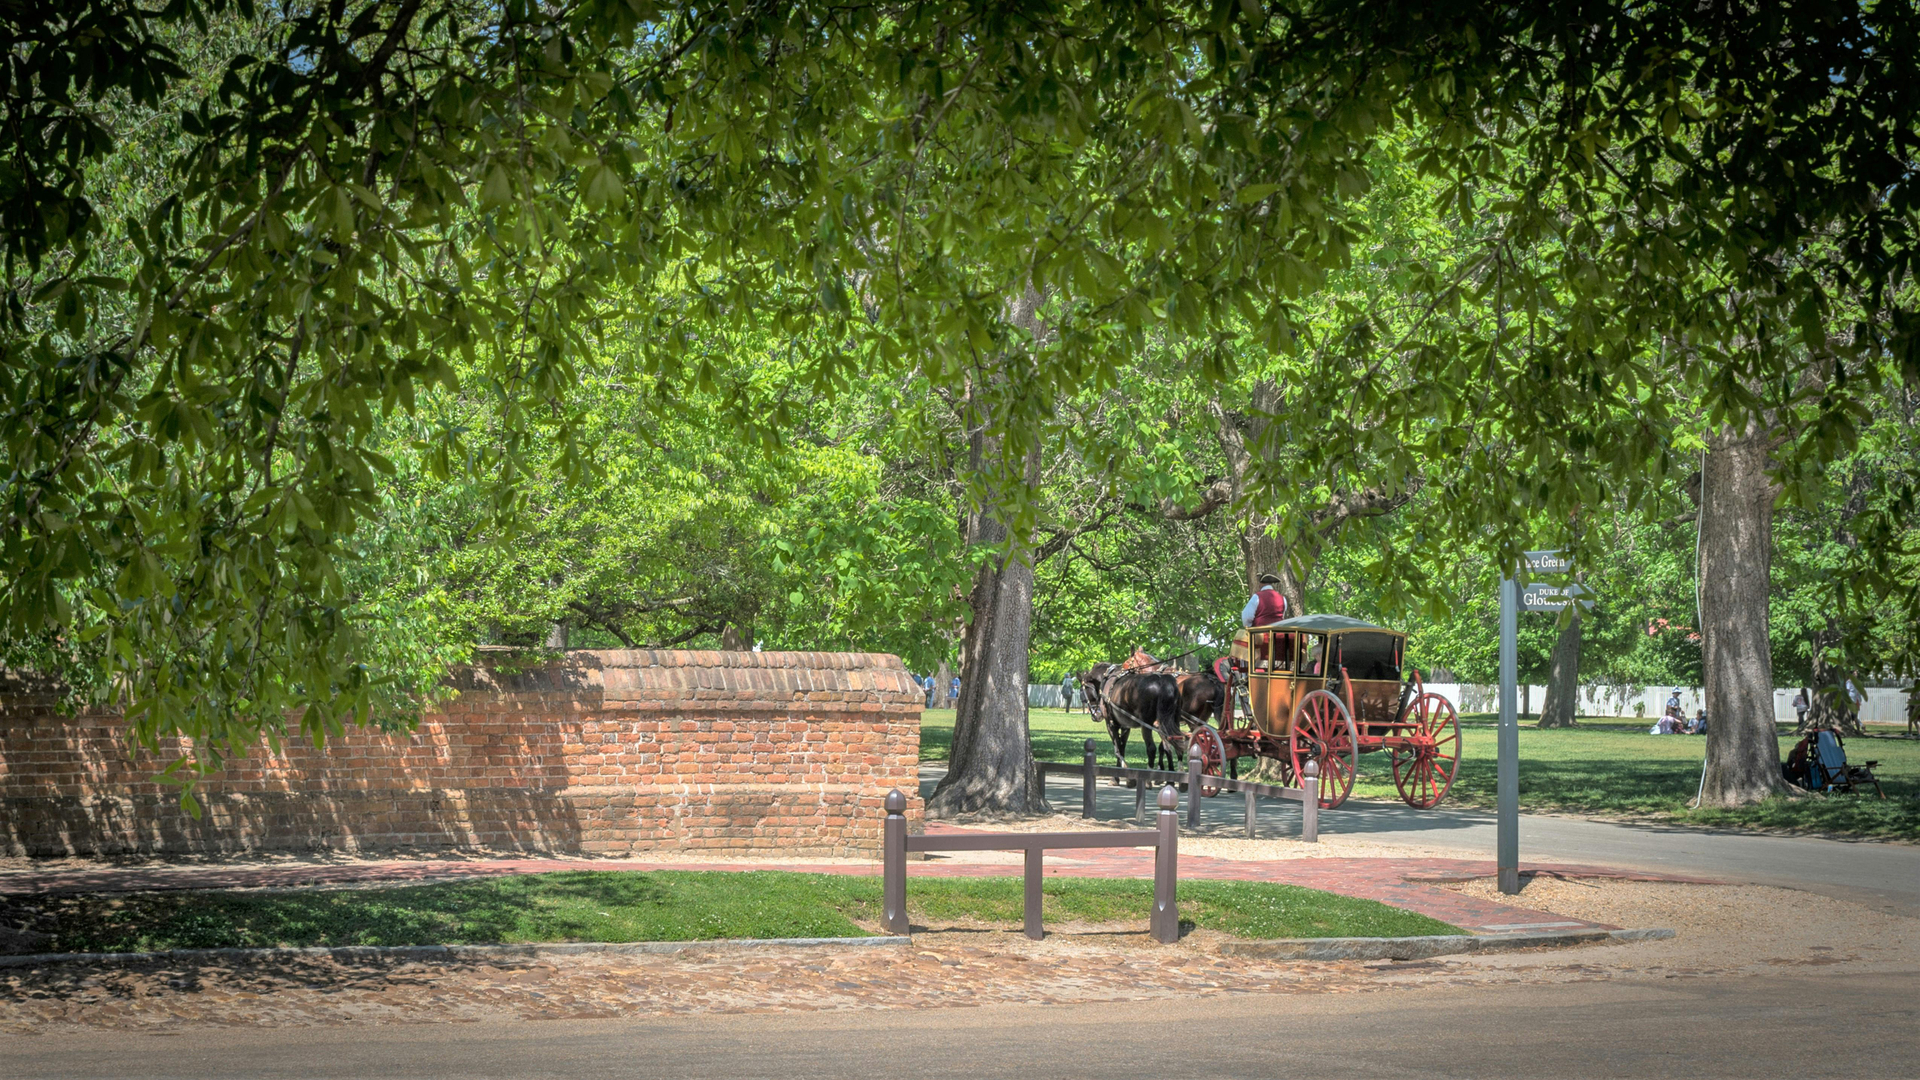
(444,952)
(1420,948)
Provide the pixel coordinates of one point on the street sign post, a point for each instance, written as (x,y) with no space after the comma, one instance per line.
(1513,600)
(1507,776)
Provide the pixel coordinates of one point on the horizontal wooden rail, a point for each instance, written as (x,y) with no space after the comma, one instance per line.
(1029,841)
(1090,770)
(1165,841)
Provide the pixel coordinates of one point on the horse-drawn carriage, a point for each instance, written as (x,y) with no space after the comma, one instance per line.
(1321,688)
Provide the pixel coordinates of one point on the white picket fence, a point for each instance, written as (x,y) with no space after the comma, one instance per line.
(1884,705)
(1047,696)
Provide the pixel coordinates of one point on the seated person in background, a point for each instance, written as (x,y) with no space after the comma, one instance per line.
(1698,725)
(1674,720)
(1795,767)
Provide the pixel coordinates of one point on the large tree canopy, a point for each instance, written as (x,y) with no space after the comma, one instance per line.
(234,238)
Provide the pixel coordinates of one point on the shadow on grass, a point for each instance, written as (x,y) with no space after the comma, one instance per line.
(621,906)
(573,906)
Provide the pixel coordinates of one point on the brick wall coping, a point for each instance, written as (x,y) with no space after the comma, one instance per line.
(603,669)
(778,674)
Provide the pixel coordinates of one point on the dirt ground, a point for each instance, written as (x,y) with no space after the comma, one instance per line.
(1722,931)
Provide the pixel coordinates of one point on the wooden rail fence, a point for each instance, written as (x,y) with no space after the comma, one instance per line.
(1090,771)
(1165,841)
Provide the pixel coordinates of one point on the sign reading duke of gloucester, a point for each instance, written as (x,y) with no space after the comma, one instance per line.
(1548,562)
(1514,600)
(1538,597)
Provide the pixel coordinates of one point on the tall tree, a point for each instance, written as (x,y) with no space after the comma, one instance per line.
(1562,706)
(385,184)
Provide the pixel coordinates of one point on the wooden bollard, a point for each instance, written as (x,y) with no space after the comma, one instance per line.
(1310,804)
(1089,781)
(893,886)
(1166,870)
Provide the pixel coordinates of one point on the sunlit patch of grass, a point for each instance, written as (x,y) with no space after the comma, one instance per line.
(1606,767)
(1612,768)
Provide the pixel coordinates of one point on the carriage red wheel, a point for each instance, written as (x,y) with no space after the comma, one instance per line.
(1323,732)
(1427,754)
(1213,756)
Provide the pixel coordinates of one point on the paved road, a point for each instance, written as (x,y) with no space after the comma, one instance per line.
(1884,876)
(1853,1026)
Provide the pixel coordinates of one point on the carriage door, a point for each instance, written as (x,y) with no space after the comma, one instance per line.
(1270,680)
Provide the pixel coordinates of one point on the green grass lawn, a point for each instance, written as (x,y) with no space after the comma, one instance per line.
(617,906)
(1606,767)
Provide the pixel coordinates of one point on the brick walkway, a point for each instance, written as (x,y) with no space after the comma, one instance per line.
(1411,884)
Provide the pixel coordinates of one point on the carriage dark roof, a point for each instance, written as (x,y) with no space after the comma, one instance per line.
(1325,624)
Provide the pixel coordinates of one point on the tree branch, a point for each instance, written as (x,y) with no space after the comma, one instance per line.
(1218,494)
(1371,502)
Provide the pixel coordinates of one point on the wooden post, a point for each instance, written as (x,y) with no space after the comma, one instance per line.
(1310,804)
(1193,786)
(1140,800)
(893,889)
(1251,812)
(1034,931)
(1166,871)
(1089,782)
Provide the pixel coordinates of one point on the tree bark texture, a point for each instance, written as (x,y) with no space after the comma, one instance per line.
(1562,706)
(1831,708)
(1736,559)
(1260,552)
(942,687)
(992,771)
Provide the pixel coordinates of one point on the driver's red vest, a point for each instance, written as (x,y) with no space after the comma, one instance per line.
(1272,609)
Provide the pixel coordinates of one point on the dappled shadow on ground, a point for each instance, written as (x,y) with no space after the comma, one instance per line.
(94,982)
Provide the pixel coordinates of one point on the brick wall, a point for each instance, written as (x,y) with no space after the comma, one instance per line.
(603,753)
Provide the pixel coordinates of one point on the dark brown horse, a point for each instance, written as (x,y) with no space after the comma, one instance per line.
(1203,697)
(1203,701)
(1125,700)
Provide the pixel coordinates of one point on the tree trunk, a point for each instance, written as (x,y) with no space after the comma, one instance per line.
(1736,560)
(1562,706)
(1264,554)
(942,687)
(992,770)
(1831,708)
(1260,553)
(733,640)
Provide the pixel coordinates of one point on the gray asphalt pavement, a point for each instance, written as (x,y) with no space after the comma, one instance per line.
(1854,1026)
(1881,875)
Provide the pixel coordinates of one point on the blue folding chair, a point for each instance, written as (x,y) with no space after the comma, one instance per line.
(1827,768)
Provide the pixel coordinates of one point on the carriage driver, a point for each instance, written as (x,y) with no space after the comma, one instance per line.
(1264,608)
